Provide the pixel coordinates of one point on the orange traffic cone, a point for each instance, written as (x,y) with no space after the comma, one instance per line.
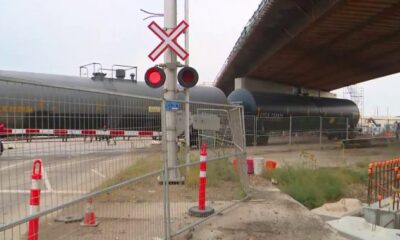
(89,220)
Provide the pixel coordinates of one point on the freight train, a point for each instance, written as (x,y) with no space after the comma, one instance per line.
(25,102)
(85,103)
(274,112)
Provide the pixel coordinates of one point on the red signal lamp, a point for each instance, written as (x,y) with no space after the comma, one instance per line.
(188,77)
(154,77)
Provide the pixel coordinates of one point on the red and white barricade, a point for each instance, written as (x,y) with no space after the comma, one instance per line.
(77,132)
(202,210)
(33,231)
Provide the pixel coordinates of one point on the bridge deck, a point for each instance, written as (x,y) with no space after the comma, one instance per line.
(321,45)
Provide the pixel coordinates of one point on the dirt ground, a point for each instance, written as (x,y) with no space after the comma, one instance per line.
(269,214)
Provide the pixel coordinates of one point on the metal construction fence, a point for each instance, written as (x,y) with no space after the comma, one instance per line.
(102,161)
(297,129)
(384,182)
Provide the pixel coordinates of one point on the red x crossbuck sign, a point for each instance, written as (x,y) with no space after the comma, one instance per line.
(168,40)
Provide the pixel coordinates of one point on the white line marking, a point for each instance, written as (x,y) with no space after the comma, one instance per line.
(14,165)
(70,163)
(46,180)
(15,191)
(78,162)
(98,173)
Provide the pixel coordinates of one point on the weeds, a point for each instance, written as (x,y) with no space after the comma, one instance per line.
(140,167)
(223,182)
(313,188)
(217,172)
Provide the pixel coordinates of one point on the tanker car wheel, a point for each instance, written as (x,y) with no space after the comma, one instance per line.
(262,140)
(1,148)
(249,140)
(341,136)
(352,135)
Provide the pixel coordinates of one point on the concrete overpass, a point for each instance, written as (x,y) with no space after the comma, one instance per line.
(314,46)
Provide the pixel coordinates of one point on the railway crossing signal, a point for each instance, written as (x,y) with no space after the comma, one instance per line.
(168,40)
(168,36)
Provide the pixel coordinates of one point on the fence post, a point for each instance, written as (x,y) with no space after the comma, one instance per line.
(320,131)
(255,130)
(347,128)
(165,175)
(290,130)
(33,231)
(244,172)
(167,215)
(187,130)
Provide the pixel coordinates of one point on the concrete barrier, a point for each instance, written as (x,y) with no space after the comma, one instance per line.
(384,215)
(358,228)
(341,208)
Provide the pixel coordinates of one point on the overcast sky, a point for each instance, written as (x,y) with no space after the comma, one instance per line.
(57,36)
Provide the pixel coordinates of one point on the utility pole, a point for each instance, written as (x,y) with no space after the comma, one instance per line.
(187,96)
(170,60)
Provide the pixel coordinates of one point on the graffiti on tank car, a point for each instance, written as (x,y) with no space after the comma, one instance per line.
(272,115)
(154,109)
(16,109)
(40,105)
(99,107)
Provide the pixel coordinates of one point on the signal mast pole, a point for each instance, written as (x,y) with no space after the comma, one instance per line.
(170,60)
(187,96)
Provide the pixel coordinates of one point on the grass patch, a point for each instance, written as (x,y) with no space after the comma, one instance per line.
(218,172)
(221,170)
(223,183)
(313,188)
(140,167)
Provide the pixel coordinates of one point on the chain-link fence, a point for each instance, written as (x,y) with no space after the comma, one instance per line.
(298,129)
(315,142)
(103,161)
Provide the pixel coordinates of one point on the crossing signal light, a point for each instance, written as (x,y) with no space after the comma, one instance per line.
(188,77)
(154,77)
